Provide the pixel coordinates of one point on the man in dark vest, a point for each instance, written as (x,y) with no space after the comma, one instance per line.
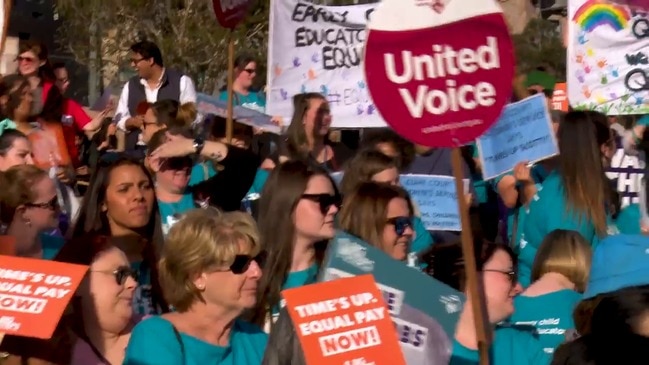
(153,82)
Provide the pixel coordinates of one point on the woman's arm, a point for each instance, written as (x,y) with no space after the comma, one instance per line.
(506,188)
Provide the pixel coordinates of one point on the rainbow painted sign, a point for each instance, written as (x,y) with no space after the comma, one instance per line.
(608,57)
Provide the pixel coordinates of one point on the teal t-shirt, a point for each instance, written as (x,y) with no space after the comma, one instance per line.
(547,212)
(170,212)
(153,342)
(480,186)
(254,100)
(198,176)
(550,315)
(51,244)
(423,239)
(511,346)
(297,279)
(628,221)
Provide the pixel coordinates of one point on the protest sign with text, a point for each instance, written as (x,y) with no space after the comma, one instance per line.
(608,57)
(343,322)
(523,133)
(442,77)
(560,97)
(34,294)
(207,104)
(424,310)
(229,13)
(436,199)
(317,48)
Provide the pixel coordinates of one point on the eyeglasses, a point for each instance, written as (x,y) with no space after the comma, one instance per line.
(25,59)
(241,263)
(513,275)
(135,61)
(121,273)
(52,205)
(325,201)
(400,224)
(250,70)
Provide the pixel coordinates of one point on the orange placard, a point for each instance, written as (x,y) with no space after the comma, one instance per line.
(560,97)
(7,245)
(48,145)
(344,322)
(34,294)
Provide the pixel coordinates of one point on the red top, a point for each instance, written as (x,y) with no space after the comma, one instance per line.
(80,118)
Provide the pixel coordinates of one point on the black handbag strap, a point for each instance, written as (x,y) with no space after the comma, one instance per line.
(180,341)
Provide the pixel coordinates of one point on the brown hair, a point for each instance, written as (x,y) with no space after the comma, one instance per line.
(564,252)
(295,134)
(365,210)
(45,72)
(170,113)
(362,167)
(17,183)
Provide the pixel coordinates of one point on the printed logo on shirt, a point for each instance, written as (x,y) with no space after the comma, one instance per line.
(548,326)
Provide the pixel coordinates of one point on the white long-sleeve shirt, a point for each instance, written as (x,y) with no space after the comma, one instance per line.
(187,95)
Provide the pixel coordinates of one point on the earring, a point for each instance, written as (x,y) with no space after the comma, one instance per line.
(200,287)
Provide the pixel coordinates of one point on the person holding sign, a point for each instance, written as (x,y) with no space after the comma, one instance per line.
(296,220)
(577,194)
(370,165)
(381,215)
(210,269)
(496,265)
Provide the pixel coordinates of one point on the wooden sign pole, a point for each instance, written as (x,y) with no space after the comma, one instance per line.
(6,5)
(229,117)
(473,282)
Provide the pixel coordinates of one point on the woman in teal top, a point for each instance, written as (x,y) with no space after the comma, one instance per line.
(297,210)
(210,271)
(372,165)
(559,277)
(496,265)
(245,70)
(576,195)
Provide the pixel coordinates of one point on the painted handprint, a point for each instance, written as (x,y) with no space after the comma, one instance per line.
(361,84)
(614,71)
(590,52)
(639,99)
(585,90)
(587,68)
(316,57)
(581,38)
(601,63)
(604,80)
(303,89)
(324,90)
(371,109)
(311,75)
(579,58)
(284,94)
(278,70)
(579,74)
(297,62)
(359,109)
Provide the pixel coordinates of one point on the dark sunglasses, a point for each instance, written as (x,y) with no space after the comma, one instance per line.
(53,204)
(241,263)
(400,224)
(547,93)
(513,275)
(325,201)
(121,274)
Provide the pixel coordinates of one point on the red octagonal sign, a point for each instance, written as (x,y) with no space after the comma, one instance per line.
(230,13)
(439,71)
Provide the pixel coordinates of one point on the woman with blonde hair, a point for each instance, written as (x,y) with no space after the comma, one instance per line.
(210,269)
(559,277)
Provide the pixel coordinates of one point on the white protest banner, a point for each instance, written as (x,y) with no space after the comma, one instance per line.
(608,63)
(316,48)
(522,133)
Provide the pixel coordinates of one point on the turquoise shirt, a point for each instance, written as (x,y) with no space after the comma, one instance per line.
(480,186)
(423,239)
(153,342)
(253,100)
(297,279)
(51,244)
(198,176)
(510,347)
(550,315)
(628,221)
(547,212)
(170,212)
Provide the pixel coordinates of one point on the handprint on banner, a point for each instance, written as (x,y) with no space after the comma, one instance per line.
(361,85)
(600,99)
(614,71)
(602,63)
(284,94)
(303,89)
(278,70)
(316,57)
(604,80)
(311,75)
(587,68)
(324,90)
(586,91)
(359,109)
(371,109)
(296,62)
(579,74)
(579,58)
(613,96)
(581,38)
(639,99)
(590,52)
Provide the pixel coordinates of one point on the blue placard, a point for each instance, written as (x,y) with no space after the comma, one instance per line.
(424,310)
(207,104)
(522,133)
(436,198)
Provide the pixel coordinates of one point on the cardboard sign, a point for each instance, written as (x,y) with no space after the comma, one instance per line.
(344,322)
(608,53)
(206,104)
(523,133)
(7,245)
(439,72)
(424,310)
(229,13)
(436,198)
(560,97)
(34,294)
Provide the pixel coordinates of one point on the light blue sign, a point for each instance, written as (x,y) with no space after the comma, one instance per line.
(424,310)
(207,104)
(522,133)
(436,198)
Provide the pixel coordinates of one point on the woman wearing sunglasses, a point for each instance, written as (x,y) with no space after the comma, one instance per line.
(296,220)
(496,266)
(381,215)
(28,207)
(210,269)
